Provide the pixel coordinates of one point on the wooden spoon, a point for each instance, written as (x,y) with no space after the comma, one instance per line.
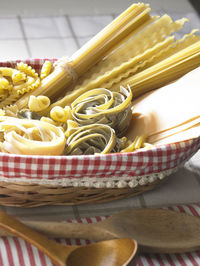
(117,252)
(156,230)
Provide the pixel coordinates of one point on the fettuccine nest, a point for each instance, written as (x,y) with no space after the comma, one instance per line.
(92,139)
(102,106)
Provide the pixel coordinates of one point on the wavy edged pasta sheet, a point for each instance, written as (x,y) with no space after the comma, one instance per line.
(182,58)
(167,113)
(153,40)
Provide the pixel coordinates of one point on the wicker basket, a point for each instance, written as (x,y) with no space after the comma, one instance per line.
(34,195)
(30,181)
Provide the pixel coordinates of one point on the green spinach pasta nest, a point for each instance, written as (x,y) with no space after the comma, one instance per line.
(92,139)
(102,106)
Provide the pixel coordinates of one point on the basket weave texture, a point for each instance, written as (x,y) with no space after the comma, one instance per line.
(29,181)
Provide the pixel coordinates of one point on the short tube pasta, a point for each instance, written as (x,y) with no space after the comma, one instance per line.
(60,114)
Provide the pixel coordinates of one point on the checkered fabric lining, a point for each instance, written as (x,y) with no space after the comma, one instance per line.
(143,162)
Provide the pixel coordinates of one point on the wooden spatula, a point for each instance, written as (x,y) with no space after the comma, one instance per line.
(116,252)
(156,230)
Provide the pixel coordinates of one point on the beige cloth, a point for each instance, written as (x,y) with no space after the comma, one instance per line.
(174,106)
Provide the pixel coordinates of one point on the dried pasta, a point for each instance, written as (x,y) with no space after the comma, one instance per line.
(46,69)
(91,139)
(15,82)
(22,136)
(137,144)
(4,83)
(60,114)
(101,106)
(28,70)
(38,103)
(14,74)
(143,45)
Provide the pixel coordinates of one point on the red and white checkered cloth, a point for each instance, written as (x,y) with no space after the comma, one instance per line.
(16,252)
(140,163)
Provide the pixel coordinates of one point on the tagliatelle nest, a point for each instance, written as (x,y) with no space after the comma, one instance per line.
(23,136)
(92,139)
(102,106)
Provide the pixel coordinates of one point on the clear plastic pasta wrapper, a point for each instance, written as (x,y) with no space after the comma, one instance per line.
(30,137)
(91,139)
(102,106)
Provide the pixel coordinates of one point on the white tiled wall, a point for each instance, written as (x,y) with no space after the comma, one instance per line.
(60,7)
(57,36)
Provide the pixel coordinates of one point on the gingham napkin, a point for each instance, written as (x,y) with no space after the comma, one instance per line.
(16,252)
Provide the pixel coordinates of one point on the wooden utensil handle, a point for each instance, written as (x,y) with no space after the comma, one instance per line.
(15,227)
(66,230)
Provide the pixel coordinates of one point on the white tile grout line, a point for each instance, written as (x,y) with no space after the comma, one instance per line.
(72,31)
(24,36)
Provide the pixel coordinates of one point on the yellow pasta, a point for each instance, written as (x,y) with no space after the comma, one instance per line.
(28,70)
(38,103)
(71,127)
(4,83)
(3,94)
(91,139)
(11,110)
(30,85)
(16,92)
(144,44)
(22,136)
(15,82)
(60,114)
(10,99)
(137,144)
(46,69)
(48,120)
